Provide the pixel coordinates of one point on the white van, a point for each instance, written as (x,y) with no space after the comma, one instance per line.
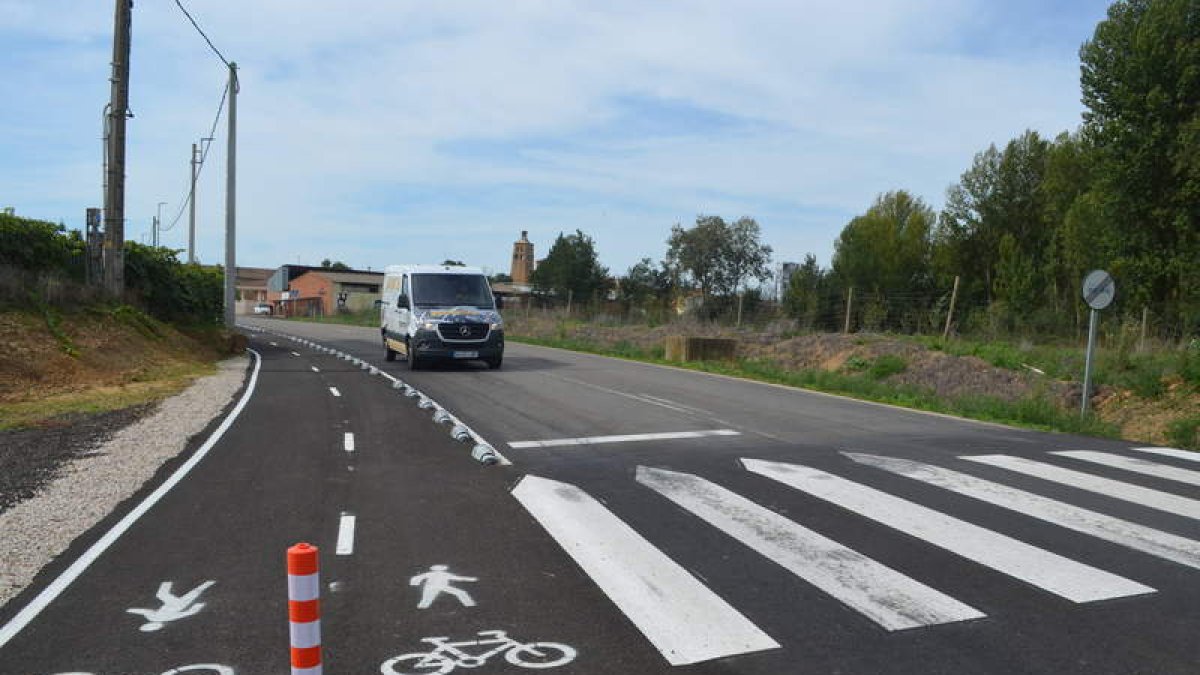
(436,312)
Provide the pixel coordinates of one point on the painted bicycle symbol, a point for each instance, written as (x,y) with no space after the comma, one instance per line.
(446,655)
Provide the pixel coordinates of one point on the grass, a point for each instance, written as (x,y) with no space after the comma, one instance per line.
(145,387)
(867,384)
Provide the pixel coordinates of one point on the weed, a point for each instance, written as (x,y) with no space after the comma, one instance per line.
(857,364)
(54,325)
(887,365)
(1185,433)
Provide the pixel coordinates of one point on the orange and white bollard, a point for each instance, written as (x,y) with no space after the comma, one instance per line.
(304,609)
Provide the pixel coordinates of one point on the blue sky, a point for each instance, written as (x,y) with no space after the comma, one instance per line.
(390,132)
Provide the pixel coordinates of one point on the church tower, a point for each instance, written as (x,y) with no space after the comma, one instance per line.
(522,260)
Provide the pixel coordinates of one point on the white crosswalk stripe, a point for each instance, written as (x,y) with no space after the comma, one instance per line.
(679,615)
(1189,455)
(887,597)
(1138,537)
(1135,465)
(1051,572)
(1154,499)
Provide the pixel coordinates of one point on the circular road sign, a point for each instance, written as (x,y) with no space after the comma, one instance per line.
(1099,289)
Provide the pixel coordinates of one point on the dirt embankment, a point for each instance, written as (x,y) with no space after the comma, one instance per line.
(947,376)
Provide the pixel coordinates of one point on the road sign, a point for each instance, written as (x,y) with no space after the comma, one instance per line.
(1099,289)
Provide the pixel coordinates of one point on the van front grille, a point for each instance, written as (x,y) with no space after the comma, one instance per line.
(463,332)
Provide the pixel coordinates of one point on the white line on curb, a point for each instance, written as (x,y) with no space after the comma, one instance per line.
(334,391)
(56,587)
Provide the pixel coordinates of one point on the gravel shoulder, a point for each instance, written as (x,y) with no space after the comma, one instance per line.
(72,477)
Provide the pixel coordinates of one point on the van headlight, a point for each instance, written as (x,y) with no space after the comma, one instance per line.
(497,325)
(429,325)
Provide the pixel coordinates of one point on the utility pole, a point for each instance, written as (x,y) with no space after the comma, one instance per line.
(114,197)
(157,223)
(231,200)
(192,212)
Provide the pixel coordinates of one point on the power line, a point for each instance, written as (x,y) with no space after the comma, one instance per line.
(200,168)
(201,31)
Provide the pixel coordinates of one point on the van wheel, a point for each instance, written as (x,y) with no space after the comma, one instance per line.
(494,363)
(391,353)
(413,362)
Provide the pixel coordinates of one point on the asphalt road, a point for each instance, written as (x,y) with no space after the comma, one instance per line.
(652,520)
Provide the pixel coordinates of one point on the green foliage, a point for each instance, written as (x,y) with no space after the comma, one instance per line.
(646,287)
(1185,433)
(335,266)
(170,290)
(54,325)
(887,365)
(719,257)
(571,269)
(138,320)
(40,246)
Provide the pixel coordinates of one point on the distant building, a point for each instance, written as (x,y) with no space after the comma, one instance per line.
(783,278)
(250,285)
(321,292)
(522,260)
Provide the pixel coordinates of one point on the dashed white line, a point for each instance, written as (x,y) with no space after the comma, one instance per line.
(315,369)
(345,539)
(595,440)
(295,353)
(334,391)
(348,442)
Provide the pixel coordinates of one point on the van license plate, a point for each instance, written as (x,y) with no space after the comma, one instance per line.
(466,355)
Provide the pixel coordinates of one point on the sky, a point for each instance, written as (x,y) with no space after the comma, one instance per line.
(384,132)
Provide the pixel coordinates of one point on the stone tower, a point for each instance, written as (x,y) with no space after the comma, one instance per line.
(522,260)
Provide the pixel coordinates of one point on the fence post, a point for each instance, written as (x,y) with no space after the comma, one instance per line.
(304,609)
(1142,338)
(950,314)
(849,306)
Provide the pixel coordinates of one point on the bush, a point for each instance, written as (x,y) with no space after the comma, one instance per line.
(1185,433)
(887,365)
(171,291)
(39,246)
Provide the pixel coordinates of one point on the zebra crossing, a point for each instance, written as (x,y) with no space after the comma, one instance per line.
(688,622)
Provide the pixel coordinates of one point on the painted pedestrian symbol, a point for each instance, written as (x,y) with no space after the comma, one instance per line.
(173,607)
(437,581)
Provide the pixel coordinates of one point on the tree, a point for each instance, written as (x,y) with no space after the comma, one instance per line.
(806,298)
(1140,79)
(454,263)
(719,258)
(887,249)
(337,266)
(571,268)
(644,285)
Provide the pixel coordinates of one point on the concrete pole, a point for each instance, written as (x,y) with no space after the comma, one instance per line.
(114,194)
(192,212)
(231,201)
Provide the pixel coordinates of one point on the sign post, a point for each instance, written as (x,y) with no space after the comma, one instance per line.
(1099,289)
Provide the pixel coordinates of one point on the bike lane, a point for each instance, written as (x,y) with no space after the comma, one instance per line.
(198,583)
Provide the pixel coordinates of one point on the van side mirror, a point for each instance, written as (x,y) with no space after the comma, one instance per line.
(499,302)
(402,302)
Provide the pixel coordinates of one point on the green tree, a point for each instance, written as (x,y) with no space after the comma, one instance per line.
(337,266)
(645,285)
(744,259)
(697,252)
(887,249)
(807,296)
(453,263)
(1140,79)
(571,268)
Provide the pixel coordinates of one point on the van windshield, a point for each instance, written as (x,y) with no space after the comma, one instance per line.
(451,290)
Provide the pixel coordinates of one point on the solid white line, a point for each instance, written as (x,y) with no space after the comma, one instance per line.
(56,587)
(594,440)
(1135,465)
(1154,499)
(345,538)
(1072,580)
(1138,537)
(348,442)
(883,595)
(315,369)
(334,391)
(681,617)
(1189,455)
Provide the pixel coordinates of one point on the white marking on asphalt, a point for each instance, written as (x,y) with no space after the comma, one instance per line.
(345,538)
(1138,537)
(681,617)
(437,581)
(348,441)
(675,405)
(1154,499)
(334,391)
(595,440)
(173,607)
(315,369)
(883,595)
(295,353)
(1072,580)
(1135,465)
(1189,455)
(56,587)
(273,344)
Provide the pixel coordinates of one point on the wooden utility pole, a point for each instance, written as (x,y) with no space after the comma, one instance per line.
(114,194)
(192,212)
(849,306)
(950,314)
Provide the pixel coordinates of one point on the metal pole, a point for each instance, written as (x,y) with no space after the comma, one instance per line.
(1087,363)
(114,196)
(192,212)
(231,200)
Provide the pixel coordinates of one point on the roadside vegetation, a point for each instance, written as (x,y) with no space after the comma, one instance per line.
(71,351)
